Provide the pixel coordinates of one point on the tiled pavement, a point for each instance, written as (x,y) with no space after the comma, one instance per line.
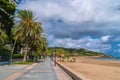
(41,71)
(8,70)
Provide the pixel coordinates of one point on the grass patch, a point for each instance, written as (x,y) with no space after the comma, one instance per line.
(25,63)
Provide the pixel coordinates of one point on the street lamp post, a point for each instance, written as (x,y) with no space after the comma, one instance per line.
(10,60)
(55,56)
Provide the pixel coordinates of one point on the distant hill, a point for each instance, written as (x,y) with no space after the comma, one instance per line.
(73,51)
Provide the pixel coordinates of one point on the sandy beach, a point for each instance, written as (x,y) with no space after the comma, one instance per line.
(96,69)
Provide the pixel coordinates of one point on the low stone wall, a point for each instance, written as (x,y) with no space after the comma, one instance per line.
(73,74)
(4,63)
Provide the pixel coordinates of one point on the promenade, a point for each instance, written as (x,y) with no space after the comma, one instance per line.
(8,70)
(38,71)
(43,71)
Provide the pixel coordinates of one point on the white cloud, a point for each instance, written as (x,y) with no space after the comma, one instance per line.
(118,45)
(100,15)
(117,51)
(73,10)
(93,18)
(105,38)
(117,39)
(87,43)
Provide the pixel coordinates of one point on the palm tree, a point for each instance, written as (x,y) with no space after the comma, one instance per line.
(27,29)
(44,46)
(39,46)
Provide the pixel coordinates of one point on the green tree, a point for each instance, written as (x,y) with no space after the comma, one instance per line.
(4,50)
(39,47)
(3,38)
(27,29)
(7,10)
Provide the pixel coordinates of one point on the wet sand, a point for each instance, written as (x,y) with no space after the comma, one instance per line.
(96,69)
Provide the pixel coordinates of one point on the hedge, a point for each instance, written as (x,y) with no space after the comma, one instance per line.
(17,56)
(5,54)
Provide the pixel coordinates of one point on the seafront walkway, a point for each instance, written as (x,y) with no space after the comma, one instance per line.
(43,71)
(38,71)
(7,71)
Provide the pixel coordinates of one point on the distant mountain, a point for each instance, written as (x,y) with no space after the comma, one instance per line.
(79,52)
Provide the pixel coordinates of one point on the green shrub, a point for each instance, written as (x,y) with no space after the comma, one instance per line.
(74,59)
(27,62)
(17,56)
(5,54)
(67,55)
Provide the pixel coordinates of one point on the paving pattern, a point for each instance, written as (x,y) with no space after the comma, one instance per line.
(43,71)
(8,70)
(37,71)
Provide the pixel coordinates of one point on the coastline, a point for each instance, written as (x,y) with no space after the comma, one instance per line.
(95,69)
(94,60)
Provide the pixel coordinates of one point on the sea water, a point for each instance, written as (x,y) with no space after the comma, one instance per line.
(110,59)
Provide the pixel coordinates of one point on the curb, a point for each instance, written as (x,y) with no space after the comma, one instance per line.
(74,75)
(19,73)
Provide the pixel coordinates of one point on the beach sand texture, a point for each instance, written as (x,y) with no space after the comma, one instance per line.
(96,69)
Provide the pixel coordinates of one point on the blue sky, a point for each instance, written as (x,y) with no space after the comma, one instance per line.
(89,24)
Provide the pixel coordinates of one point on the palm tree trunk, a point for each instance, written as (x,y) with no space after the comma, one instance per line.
(25,54)
(12,50)
(13,46)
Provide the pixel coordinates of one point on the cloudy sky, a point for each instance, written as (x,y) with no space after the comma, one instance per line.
(89,24)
